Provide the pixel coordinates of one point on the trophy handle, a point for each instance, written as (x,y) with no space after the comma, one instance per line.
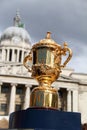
(26,62)
(63,52)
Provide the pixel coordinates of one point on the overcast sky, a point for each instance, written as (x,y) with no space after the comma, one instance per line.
(66,19)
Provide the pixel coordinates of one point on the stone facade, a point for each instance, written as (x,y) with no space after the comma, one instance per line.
(16,82)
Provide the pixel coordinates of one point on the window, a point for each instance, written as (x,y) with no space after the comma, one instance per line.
(60,93)
(18,107)
(3,107)
(19,90)
(10,56)
(5,88)
(20,55)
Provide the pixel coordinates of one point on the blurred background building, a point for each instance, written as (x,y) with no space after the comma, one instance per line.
(16,82)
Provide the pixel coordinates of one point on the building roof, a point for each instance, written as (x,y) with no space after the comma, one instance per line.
(15,34)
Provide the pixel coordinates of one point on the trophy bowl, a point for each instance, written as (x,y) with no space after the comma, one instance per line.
(46,58)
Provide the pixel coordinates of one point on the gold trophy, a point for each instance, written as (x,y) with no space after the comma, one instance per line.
(46,57)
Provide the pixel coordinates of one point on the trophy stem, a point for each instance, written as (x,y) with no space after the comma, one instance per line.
(44,82)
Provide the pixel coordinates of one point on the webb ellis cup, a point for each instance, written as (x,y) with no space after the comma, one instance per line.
(46,57)
(45,63)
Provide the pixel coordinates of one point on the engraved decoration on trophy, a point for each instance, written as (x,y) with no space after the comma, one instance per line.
(46,58)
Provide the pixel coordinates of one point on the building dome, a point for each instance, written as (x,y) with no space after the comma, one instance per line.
(15,34)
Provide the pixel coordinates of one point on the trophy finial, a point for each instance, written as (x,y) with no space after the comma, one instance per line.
(48,36)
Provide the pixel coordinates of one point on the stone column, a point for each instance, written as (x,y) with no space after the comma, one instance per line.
(3,54)
(13,56)
(75,100)
(69,100)
(8,54)
(17,55)
(27,97)
(59,99)
(22,57)
(12,98)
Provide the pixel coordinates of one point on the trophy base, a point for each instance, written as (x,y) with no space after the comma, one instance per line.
(40,119)
(44,97)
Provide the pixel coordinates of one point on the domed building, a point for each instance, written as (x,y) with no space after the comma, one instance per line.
(16,82)
(15,44)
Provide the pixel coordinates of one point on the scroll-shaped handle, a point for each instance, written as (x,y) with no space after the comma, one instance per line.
(26,61)
(63,52)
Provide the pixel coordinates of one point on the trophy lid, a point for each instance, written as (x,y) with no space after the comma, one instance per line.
(47,42)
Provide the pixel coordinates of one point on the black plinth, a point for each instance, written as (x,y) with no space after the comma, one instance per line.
(40,119)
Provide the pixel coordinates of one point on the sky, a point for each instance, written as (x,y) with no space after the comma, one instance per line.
(65,19)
